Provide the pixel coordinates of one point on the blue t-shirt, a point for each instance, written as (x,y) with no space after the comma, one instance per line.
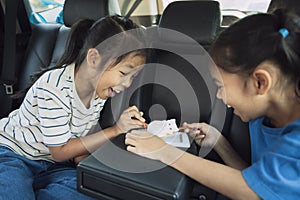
(275,170)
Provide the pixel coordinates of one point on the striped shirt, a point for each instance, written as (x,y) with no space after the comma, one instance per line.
(50,115)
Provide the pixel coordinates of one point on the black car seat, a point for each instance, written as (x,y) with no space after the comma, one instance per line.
(47,41)
(176,83)
(199,20)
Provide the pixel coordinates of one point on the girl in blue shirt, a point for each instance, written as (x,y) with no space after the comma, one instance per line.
(258,59)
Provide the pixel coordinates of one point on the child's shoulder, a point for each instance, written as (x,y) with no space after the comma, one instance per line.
(57,77)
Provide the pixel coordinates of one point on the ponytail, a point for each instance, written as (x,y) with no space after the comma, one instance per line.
(273,37)
(289,31)
(75,41)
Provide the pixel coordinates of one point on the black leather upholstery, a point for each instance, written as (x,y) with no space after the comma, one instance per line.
(40,50)
(78,9)
(166,90)
(185,96)
(201,21)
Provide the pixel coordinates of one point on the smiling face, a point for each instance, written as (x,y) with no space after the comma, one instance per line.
(240,94)
(117,78)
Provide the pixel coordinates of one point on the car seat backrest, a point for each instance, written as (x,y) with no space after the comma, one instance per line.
(174,85)
(190,87)
(48,40)
(195,75)
(171,86)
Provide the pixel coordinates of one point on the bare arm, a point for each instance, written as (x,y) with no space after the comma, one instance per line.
(78,147)
(210,138)
(229,155)
(221,178)
(82,146)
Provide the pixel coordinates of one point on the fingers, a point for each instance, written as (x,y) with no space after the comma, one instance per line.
(134,113)
(196,128)
(199,137)
(193,125)
(138,134)
(131,149)
(130,141)
(131,118)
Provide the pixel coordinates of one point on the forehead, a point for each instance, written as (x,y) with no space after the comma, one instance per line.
(135,56)
(133,60)
(216,74)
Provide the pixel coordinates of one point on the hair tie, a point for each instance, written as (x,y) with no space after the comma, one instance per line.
(284,32)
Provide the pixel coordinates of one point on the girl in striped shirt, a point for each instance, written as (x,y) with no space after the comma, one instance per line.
(62,108)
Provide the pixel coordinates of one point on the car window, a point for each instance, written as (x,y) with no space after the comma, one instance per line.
(49,11)
(46,11)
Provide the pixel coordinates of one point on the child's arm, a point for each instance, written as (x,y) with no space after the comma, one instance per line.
(76,147)
(77,159)
(210,138)
(130,118)
(224,179)
(229,155)
(221,178)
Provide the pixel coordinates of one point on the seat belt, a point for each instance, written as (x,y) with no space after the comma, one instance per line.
(132,9)
(9,52)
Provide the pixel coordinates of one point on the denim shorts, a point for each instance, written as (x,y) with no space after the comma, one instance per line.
(26,179)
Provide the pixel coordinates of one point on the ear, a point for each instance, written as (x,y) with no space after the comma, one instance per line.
(263,81)
(93,57)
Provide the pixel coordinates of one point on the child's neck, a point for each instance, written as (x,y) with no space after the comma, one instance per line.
(84,90)
(285,113)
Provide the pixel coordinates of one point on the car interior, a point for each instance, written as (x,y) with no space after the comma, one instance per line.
(39,45)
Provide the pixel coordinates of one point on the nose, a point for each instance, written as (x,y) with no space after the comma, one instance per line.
(220,95)
(127,82)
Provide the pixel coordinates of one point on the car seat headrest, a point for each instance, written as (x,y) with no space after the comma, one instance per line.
(197,19)
(78,9)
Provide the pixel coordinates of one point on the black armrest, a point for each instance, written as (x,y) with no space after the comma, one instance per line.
(114,173)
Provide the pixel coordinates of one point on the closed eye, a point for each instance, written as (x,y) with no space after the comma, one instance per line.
(123,73)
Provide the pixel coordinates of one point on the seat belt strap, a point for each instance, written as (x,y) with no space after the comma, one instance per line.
(9,54)
(132,9)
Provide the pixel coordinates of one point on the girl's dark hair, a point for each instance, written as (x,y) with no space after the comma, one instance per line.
(88,33)
(257,38)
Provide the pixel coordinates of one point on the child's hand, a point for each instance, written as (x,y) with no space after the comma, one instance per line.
(151,146)
(204,135)
(144,143)
(130,118)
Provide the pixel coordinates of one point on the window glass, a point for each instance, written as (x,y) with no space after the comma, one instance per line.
(43,5)
(46,11)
